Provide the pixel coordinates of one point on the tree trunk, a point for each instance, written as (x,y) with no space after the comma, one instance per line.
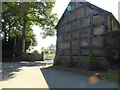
(5,33)
(24,33)
(14,49)
(9,31)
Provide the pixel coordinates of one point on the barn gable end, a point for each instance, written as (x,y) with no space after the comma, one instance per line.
(81,30)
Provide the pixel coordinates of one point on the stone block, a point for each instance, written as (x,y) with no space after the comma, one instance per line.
(86,32)
(66,45)
(97,41)
(76,25)
(67,52)
(85,42)
(75,34)
(80,12)
(60,52)
(90,11)
(98,52)
(98,30)
(78,4)
(86,22)
(102,63)
(73,7)
(71,16)
(76,50)
(60,38)
(62,60)
(61,30)
(61,22)
(67,28)
(64,20)
(63,45)
(67,36)
(85,52)
(75,43)
(81,61)
(66,60)
(98,19)
(60,45)
(58,60)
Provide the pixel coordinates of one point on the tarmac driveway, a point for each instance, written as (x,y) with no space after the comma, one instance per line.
(36,75)
(63,79)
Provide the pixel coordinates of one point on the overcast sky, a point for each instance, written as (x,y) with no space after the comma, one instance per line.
(60,6)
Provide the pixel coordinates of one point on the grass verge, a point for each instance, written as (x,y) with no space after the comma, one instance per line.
(112,76)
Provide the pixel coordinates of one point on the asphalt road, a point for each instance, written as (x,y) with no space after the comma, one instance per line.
(57,79)
(36,75)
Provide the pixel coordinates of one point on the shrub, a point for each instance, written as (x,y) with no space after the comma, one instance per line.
(112,47)
(92,57)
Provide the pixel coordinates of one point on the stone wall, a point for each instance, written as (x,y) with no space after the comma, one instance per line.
(82,30)
(34,57)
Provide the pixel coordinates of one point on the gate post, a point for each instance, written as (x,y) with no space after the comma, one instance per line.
(43,55)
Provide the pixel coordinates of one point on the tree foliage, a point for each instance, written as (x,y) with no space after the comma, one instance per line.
(18,18)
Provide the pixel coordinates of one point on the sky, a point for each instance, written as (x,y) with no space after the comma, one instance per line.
(60,6)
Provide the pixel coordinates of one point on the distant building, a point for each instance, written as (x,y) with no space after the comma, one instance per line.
(81,30)
(52,47)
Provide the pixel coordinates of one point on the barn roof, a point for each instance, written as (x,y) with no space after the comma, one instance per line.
(91,6)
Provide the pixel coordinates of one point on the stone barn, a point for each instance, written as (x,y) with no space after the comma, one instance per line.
(80,31)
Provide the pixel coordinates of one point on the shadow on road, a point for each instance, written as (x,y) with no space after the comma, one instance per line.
(63,79)
(49,76)
(9,68)
(60,79)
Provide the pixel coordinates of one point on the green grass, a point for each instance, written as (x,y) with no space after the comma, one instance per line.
(111,76)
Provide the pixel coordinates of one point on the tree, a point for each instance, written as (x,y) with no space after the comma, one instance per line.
(22,15)
(12,27)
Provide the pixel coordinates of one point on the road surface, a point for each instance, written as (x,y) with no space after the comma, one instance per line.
(36,75)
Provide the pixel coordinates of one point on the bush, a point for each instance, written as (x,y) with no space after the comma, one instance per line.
(92,57)
(112,46)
